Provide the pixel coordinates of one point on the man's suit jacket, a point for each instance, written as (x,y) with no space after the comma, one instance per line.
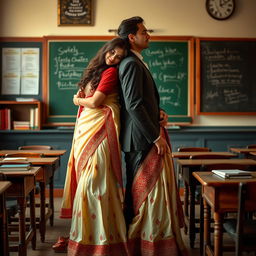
(139,105)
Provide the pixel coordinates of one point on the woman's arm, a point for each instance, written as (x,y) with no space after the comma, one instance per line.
(90,102)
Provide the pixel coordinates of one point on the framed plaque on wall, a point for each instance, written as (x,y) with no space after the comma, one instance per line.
(75,13)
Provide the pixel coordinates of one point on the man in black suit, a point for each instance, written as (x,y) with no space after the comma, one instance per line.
(141,116)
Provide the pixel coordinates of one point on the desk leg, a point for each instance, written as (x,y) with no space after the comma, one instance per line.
(22,227)
(207,223)
(33,218)
(218,233)
(51,199)
(42,221)
(192,231)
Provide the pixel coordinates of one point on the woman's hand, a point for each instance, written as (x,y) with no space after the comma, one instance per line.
(76,100)
(163,118)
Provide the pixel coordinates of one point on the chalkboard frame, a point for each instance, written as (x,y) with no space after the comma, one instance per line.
(199,83)
(181,120)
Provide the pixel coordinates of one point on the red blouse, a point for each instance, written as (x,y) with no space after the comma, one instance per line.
(109,81)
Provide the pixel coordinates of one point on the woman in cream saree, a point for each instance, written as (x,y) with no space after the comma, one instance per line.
(155,229)
(93,194)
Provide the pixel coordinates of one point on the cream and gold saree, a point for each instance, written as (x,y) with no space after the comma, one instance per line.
(93,194)
(155,230)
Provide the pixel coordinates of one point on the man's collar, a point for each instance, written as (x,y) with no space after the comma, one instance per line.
(137,54)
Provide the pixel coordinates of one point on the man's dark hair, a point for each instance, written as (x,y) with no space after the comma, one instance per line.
(129,26)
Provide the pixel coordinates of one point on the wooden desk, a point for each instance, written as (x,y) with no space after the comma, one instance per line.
(23,185)
(221,196)
(44,177)
(253,155)
(4,245)
(245,151)
(182,155)
(47,153)
(187,167)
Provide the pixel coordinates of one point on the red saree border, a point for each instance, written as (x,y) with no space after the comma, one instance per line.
(115,154)
(163,247)
(78,249)
(89,149)
(146,178)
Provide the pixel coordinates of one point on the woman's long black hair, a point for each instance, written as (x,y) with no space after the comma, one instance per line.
(98,64)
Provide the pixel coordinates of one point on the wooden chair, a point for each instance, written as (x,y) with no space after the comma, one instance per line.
(25,154)
(35,147)
(243,230)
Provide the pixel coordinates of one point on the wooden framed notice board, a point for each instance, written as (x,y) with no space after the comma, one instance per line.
(225,74)
(20,44)
(170,60)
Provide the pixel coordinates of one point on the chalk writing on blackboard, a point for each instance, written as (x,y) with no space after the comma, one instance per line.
(67,66)
(227,76)
(168,64)
(168,61)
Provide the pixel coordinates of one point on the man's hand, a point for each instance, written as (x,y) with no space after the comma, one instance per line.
(163,118)
(161,145)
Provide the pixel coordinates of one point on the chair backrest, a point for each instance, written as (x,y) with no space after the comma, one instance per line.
(25,154)
(251,146)
(35,147)
(244,228)
(210,156)
(194,149)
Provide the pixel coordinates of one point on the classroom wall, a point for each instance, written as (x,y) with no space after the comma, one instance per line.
(36,18)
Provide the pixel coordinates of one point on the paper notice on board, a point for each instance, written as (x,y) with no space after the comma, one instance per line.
(11,59)
(30,83)
(10,83)
(30,59)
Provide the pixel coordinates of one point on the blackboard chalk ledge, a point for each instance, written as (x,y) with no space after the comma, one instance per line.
(174,127)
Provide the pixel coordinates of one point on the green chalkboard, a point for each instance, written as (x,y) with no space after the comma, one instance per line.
(170,61)
(227,78)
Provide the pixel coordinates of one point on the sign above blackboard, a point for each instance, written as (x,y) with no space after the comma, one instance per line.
(170,61)
(226,81)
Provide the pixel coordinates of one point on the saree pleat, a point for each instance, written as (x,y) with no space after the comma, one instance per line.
(98,226)
(155,229)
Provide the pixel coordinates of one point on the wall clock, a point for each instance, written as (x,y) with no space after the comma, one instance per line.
(220,9)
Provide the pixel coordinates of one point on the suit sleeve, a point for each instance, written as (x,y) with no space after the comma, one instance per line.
(132,88)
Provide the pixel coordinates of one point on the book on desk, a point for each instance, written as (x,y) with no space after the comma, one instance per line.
(233,174)
(15,167)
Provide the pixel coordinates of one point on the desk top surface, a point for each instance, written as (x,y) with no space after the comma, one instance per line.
(188,154)
(243,150)
(211,179)
(198,162)
(49,152)
(34,161)
(4,185)
(31,172)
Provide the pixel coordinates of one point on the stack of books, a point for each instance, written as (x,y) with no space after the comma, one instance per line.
(233,174)
(21,125)
(15,167)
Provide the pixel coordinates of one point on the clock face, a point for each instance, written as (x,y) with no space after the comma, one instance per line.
(220,9)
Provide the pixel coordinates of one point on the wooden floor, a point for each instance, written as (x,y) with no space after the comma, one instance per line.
(61,228)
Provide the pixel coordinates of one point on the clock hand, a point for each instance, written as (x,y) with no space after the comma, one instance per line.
(225,2)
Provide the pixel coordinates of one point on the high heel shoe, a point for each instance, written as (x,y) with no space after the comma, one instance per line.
(61,245)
